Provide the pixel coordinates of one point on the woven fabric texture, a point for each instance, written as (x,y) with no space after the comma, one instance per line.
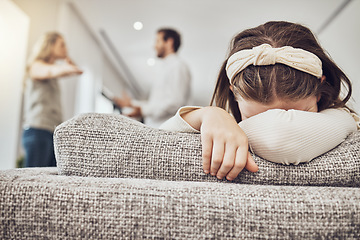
(37,203)
(103,145)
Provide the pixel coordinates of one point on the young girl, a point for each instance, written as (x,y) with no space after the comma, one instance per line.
(42,107)
(277,92)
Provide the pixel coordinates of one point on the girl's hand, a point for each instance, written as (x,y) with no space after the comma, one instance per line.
(224,144)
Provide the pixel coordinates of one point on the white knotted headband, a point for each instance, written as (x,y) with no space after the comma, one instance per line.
(267,55)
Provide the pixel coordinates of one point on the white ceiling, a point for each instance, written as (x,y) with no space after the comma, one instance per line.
(206,27)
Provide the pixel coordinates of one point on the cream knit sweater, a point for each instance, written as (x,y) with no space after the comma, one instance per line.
(287,137)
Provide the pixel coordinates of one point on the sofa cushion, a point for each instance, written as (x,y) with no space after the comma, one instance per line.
(37,203)
(109,145)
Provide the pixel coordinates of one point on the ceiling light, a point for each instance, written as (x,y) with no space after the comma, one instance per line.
(151,62)
(138,26)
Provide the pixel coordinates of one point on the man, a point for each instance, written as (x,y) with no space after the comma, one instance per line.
(170,91)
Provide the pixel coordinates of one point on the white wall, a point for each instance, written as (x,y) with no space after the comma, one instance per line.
(82,94)
(43,15)
(78,93)
(342,41)
(206,26)
(14,26)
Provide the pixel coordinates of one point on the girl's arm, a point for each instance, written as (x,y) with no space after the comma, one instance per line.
(280,136)
(224,144)
(177,123)
(40,70)
(293,136)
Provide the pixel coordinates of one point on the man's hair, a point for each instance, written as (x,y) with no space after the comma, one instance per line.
(173,34)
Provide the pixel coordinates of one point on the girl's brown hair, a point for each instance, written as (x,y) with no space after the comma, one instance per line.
(263,83)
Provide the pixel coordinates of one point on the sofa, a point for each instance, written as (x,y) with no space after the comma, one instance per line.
(119,179)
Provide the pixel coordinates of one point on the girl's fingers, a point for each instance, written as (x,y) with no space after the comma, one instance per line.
(239,164)
(224,143)
(250,164)
(228,161)
(207,146)
(216,156)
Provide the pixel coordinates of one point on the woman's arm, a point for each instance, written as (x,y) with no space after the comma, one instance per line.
(40,70)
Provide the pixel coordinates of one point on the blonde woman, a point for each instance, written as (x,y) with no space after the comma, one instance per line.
(42,108)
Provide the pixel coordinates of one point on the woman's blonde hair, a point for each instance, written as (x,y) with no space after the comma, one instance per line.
(43,48)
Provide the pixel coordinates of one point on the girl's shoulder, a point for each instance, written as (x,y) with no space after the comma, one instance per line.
(355,116)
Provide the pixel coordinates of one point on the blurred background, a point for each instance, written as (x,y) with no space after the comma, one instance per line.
(113,42)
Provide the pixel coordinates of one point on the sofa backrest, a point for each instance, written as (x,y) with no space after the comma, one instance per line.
(109,145)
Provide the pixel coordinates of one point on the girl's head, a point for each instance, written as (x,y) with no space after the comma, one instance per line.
(258,88)
(49,47)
